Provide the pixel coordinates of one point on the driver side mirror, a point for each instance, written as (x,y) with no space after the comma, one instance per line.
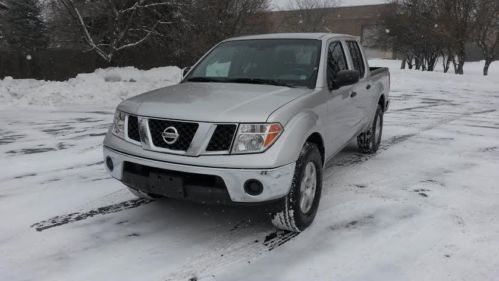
(185,71)
(344,78)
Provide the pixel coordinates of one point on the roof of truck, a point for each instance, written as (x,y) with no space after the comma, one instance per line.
(316,36)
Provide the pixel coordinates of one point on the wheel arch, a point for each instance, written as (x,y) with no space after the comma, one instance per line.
(303,127)
(317,139)
(382,102)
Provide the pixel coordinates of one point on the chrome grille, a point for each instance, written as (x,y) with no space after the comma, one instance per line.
(186,132)
(222,138)
(133,128)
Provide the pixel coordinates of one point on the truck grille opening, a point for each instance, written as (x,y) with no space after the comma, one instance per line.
(186,132)
(133,128)
(222,137)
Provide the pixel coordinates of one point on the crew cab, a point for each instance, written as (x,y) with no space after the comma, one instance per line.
(254,121)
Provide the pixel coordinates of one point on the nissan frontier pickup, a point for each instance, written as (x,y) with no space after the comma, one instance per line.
(254,121)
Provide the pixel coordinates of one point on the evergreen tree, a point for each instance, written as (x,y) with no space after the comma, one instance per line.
(24,28)
(3,9)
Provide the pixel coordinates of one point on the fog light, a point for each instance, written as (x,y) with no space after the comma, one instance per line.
(253,187)
(109,163)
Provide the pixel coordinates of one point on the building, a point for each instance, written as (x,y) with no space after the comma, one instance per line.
(362,21)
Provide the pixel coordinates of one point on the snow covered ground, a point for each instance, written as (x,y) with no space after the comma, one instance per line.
(424,208)
(284,4)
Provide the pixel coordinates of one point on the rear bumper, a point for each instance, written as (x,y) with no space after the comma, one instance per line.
(276,182)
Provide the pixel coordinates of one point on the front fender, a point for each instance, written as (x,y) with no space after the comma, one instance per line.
(296,133)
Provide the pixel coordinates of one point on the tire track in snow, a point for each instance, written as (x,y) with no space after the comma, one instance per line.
(278,238)
(247,241)
(358,158)
(244,247)
(79,216)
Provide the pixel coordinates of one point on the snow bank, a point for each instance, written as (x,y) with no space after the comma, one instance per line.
(104,87)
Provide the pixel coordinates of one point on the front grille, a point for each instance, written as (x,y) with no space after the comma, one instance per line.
(185,130)
(133,128)
(222,137)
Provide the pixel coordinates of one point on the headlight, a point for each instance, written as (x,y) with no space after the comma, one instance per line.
(254,138)
(119,124)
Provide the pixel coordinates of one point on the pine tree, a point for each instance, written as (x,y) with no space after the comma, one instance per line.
(24,27)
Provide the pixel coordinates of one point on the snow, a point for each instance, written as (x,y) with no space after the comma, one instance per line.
(423,208)
(284,4)
(103,87)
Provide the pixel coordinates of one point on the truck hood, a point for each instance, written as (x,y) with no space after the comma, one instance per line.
(213,102)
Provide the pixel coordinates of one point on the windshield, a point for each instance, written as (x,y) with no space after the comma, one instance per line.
(281,62)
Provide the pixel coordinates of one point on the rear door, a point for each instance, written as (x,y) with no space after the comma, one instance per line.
(340,115)
(361,97)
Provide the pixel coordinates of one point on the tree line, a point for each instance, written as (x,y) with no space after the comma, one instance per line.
(426,31)
(186,28)
(422,32)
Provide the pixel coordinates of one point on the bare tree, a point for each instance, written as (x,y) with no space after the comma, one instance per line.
(487,30)
(414,33)
(457,19)
(215,20)
(308,15)
(112,26)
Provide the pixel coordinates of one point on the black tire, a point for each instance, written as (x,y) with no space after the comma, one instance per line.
(289,214)
(370,140)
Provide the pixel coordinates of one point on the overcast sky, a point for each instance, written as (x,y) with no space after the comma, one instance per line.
(283,4)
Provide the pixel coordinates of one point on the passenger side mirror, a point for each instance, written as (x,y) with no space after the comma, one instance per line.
(344,78)
(185,71)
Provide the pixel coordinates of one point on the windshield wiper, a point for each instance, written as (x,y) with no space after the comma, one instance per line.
(260,81)
(241,80)
(207,79)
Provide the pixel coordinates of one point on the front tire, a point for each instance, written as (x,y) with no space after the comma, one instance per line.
(370,140)
(298,209)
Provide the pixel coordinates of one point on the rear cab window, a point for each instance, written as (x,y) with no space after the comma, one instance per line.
(357,58)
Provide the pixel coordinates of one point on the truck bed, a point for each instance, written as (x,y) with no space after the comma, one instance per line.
(377,70)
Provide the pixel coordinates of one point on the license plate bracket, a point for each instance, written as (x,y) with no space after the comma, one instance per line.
(169,185)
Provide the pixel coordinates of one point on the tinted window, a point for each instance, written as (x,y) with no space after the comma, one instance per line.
(357,59)
(294,62)
(336,61)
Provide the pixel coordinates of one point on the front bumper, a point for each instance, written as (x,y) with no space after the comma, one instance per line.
(276,182)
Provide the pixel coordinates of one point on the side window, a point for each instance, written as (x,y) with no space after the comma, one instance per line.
(336,61)
(357,59)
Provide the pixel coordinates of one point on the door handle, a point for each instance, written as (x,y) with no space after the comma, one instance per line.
(368,86)
(353,94)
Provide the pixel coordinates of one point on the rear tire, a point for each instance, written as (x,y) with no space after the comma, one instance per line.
(298,209)
(370,140)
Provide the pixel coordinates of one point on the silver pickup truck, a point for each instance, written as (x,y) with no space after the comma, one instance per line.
(254,121)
